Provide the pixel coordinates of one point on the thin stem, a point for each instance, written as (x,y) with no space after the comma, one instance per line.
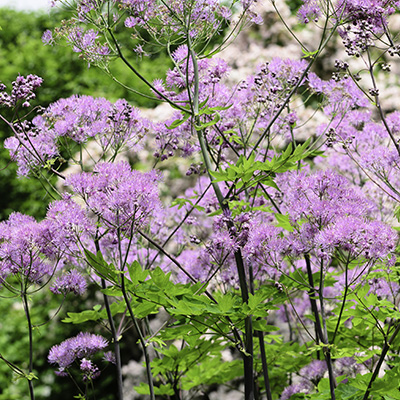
(318,329)
(385,349)
(260,336)
(378,105)
(141,338)
(171,235)
(264,363)
(176,262)
(141,77)
(113,333)
(30,328)
(134,320)
(343,302)
(117,350)
(293,91)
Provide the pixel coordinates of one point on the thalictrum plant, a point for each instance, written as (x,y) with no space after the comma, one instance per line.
(274,268)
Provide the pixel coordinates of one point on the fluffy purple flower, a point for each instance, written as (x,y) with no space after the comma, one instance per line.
(195,261)
(22,245)
(32,145)
(86,43)
(314,371)
(291,390)
(310,10)
(121,197)
(89,369)
(342,96)
(327,213)
(321,197)
(80,347)
(109,356)
(79,118)
(70,282)
(67,223)
(370,239)
(265,249)
(221,246)
(365,21)
(47,37)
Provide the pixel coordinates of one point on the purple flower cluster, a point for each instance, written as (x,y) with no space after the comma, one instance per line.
(256,99)
(22,244)
(32,145)
(22,91)
(309,11)
(121,197)
(370,239)
(357,146)
(265,249)
(70,282)
(365,21)
(68,224)
(85,42)
(310,376)
(341,96)
(203,17)
(79,118)
(79,348)
(330,214)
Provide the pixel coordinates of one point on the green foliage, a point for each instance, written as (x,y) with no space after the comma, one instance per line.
(248,173)
(204,325)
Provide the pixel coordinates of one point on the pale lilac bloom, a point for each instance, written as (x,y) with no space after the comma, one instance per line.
(123,198)
(70,282)
(109,356)
(314,371)
(89,369)
(291,390)
(310,10)
(23,243)
(47,37)
(80,347)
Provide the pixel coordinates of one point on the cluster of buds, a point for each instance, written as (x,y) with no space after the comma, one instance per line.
(22,91)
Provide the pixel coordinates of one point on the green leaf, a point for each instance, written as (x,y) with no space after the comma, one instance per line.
(347,392)
(159,278)
(178,122)
(84,316)
(262,325)
(203,103)
(309,54)
(163,390)
(205,125)
(220,176)
(101,267)
(136,273)
(284,222)
(226,302)
(145,308)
